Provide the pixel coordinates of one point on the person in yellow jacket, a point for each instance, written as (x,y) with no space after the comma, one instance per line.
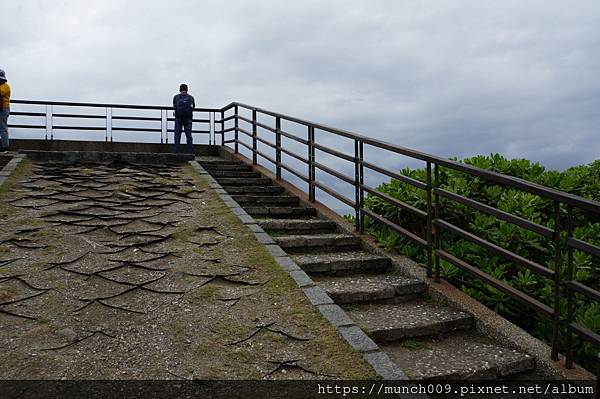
(4,111)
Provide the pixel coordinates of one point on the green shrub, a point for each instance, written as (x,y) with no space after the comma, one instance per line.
(580,180)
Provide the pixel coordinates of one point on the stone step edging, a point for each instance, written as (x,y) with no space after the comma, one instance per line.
(381,363)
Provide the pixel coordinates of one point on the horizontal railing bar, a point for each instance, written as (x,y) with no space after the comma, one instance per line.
(135,129)
(294,172)
(173,131)
(135,118)
(585,290)
(585,333)
(292,137)
(79,116)
(335,194)
(293,155)
(228,118)
(334,152)
(78,127)
(240,117)
(525,185)
(227,107)
(584,246)
(394,201)
(402,178)
(229,141)
(268,158)
(247,133)
(332,172)
(519,221)
(265,142)
(533,266)
(266,127)
(258,124)
(193,120)
(99,105)
(516,294)
(411,236)
(512,181)
(84,116)
(245,145)
(18,113)
(27,126)
(231,129)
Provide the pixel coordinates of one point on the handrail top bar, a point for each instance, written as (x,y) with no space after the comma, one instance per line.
(516,182)
(100,105)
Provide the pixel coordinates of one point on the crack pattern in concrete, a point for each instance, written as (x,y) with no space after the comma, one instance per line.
(107,274)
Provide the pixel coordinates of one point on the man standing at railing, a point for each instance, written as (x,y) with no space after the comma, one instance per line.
(4,111)
(183,104)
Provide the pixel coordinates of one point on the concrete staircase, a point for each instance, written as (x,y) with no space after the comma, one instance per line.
(424,338)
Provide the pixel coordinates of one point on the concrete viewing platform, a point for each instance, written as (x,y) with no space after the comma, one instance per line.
(117,270)
(152,266)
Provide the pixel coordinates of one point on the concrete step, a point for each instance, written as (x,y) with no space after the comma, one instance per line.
(391,322)
(262,190)
(213,161)
(245,181)
(279,211)
(222,167)
(364,288)
(462,355)
(233,173)
(266,199)
(318,243)
(341,263)
(297,226)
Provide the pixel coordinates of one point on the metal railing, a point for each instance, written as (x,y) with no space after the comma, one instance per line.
(245,135)
(109,120)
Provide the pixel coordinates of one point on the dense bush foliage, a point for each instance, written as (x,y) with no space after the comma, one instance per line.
(580,180)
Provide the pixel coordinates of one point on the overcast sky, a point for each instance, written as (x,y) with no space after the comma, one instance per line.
(452,78)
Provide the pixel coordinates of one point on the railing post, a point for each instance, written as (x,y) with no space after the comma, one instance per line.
(361,171)
(167,126)
(436,230)
(278,147)
(429,223)
(311,163)
(47,125)
(254,142)
(109,122)
(51,122)
(356,186)
(222,128)
(106,120)
(236,130)
(210,127)
(358,183)
(557,260)
(162,126)
(570,296)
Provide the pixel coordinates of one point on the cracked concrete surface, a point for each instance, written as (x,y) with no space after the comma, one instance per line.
(120,271)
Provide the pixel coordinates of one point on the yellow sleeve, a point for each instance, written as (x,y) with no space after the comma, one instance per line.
(5,93)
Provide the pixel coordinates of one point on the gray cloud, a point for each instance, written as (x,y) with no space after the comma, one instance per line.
(453,78)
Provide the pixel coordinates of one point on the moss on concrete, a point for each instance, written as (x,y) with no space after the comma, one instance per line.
(224,310)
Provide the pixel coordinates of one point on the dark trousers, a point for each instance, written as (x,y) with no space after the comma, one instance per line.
(186,124)
(4,113)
